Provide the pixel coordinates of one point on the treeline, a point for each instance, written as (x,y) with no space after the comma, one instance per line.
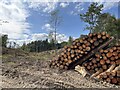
(35,46)
(45,45)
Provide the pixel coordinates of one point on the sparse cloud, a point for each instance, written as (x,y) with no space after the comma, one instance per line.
(79,6)
(47,27)
(39,36)
(60,37)
(45,6)
(108,4)
(104,0)
(63,4)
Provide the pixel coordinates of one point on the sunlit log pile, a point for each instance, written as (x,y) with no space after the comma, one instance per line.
(93,53)
(81,50)
(105,65)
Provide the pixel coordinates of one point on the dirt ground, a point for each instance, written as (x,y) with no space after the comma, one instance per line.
(32,71)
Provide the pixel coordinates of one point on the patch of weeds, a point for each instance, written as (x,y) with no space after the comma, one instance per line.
(7,56)
(11,63)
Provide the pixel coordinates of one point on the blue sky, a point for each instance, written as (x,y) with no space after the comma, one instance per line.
(28,21)
(71,25)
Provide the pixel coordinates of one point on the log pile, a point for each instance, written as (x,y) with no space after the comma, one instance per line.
(103,59)
(93,55)
(77,52)
(105,65)
(112,75)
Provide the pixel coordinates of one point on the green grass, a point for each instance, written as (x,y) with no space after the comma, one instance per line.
(6,56)
(42,55)
(11,63)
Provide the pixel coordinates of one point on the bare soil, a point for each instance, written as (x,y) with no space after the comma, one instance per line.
(32,71)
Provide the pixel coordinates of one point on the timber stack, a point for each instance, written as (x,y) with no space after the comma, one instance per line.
(112,75)
(103,59)
(81,50)
(93,53)
(105,65)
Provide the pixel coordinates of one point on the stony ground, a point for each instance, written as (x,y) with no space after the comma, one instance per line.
(32,71)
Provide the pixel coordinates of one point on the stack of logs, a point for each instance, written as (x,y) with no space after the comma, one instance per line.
(112,75)
(93,53)
(105,65)
(79,49)
(103,59)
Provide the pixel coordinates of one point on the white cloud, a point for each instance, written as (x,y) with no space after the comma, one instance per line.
(45,6)
(18,42)
(47,27)
(82,9)
(104,0)
(39,36)
(63,5)
(108,4)
(79,6)
(61,38)
(32,37)
(73,0)
(15,13)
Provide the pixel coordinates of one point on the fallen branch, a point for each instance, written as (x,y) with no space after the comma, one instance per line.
(81,70)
